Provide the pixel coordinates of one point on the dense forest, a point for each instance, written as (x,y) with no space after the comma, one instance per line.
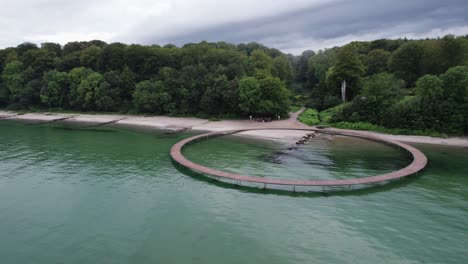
(409,84)
(208,79)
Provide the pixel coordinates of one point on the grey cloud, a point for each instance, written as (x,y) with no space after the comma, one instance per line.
(334,20)
(291,26)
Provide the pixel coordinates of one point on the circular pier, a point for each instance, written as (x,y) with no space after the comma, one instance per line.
(418,163)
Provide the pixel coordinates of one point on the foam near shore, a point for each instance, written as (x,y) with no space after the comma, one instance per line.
(199,124)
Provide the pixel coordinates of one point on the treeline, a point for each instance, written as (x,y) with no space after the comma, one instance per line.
(409,84)
(208,79)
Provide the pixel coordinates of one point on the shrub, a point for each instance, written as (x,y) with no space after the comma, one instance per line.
(395,131)
(294,108)
(310,117)
(320,103)
(326,115)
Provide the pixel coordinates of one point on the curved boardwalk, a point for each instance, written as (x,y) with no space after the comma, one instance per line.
(419,162)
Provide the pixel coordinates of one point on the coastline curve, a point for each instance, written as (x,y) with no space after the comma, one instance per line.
(419,162)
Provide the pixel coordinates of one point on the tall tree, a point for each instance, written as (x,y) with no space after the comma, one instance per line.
(429,88)
(54,93)
(112,57)
(455,83)
(347,71)
(89,57)
(260,64)
(379,93)
(376,61)
(152,97)
(250,95)
(282,69)
(52,47)
(24,47)
(319,64)
(13,80)
(452,51)
(267,96)
(94,93)
(76,76)
(301,68)
(405,62)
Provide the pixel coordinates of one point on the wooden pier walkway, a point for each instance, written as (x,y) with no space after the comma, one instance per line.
(418,163)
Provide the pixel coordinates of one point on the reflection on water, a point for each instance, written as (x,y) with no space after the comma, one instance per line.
(88,197)
(324,157)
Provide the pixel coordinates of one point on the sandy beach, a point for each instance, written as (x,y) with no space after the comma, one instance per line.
(198,124)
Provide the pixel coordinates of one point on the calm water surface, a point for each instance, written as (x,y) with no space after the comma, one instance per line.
(112,195)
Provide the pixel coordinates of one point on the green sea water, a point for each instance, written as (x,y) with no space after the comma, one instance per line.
(112,195)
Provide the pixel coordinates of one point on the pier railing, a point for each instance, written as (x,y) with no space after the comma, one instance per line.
(418,163)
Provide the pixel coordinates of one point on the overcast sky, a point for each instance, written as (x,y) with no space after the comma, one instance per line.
(289,25)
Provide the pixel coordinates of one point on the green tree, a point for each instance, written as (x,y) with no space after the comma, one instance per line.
(39,60)
(267,96)
(376,61)
(74,47)
(94,93)
(260,64)
(379,93)
(250,95)
(54,93)
(349,69)
(135,58)
(24,47)
(406,61)
(301,67)
(69,61)
(319,65)
(275,97)
(13,80)
(282,69)
(4,95)
(89,57)
(76,76)
(152,97)
(52,47)
(429,88)
(384,88)
(128,84)
(112,57)
(432,58)
(212,101)
(455,83)
(452,51)
(7,55)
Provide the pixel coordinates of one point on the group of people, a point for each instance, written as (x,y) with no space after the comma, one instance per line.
(263,119)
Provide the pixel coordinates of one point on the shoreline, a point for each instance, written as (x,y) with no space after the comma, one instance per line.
(179,124)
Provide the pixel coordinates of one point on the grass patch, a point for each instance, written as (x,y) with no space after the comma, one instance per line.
(326,115)
(294,108)
(381,129)
(309,117)
(406,99)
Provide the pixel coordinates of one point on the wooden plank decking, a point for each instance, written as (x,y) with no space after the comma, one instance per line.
(418,163)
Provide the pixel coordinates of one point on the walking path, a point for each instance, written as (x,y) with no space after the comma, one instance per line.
(186,123)
(418,163)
